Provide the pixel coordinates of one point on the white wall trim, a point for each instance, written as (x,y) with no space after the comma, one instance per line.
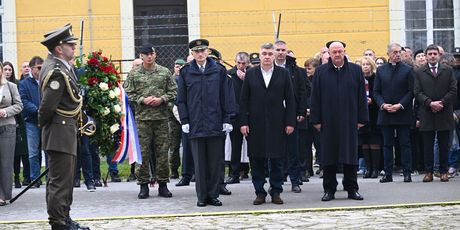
(429,22)
(397,22)
(127,33)
(456,23)
(10,49)
(193,15)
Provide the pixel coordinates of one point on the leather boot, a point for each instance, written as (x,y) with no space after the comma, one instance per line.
(375,159)
(163,190)
(17,182)
(144,192)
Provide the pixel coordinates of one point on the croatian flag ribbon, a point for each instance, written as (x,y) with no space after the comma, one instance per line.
(129,141)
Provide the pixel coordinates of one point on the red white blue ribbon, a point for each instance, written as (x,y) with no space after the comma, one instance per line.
(129,141)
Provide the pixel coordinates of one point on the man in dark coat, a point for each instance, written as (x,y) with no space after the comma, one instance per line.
(393,93)
(338,109)
(206,104)
(435,90)
(57,116)
(297,76)
(237,73)
(267,116)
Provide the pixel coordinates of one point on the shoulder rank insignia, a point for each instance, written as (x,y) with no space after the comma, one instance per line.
(54,85)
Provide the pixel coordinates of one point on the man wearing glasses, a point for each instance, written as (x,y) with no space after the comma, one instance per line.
(30,97)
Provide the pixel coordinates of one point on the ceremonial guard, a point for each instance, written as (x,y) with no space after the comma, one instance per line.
(58,116)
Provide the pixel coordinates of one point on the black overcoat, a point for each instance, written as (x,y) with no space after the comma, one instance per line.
(428,88)
(267,111)
(338,103)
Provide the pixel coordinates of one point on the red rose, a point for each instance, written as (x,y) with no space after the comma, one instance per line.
(92,81)
(106,59)
(100,52)
(109,84)
(93,61)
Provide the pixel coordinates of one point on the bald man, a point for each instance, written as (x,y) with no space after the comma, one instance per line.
(338,110)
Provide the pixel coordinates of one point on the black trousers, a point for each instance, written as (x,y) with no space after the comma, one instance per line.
(208,153)
(25,164)
(59,186)
(350,180)
(428,143)
(237,140)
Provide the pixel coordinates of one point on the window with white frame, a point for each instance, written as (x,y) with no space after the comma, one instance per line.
(430,22)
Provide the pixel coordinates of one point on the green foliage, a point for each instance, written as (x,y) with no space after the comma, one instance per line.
(100,84)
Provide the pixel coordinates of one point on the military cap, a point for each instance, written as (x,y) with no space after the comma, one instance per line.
(456,51)
(254,58)
(330,42)
(198,44)
(59,36)
(215,54)
(180,62)
(417,52)
(146,49)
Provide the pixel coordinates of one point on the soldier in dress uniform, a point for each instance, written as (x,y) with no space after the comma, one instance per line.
(58,117)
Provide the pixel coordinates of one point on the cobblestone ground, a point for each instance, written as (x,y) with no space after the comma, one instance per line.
(428,217)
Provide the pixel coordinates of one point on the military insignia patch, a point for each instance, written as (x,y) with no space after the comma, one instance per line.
(198,43)
(54,85)
(254,55)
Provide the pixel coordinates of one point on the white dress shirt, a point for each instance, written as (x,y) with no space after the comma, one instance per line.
(267,75)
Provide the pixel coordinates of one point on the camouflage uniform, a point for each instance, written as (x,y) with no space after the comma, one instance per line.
(152,122)
(175,134)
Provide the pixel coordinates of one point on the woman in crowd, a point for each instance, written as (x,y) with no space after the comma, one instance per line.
(10,105)
(369,135)
(380,61)
(420,59)
(21,152)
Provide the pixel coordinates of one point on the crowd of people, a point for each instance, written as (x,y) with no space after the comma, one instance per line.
(364,117)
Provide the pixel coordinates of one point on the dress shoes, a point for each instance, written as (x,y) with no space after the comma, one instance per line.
(174,174)
(185,181)
(144,191)
(354,195)
(428,177)
(296,189)
(328,196)
(76,183)
(200,203)
(163,190)
(375,173)
(260,199)
(193,179)
(224,191)
(276,199)
(233,180)
(407,178)
(26,182)
(386,178)
(444,177)
(214,202)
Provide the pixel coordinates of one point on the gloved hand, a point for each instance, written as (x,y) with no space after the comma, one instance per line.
(226,127)
(185,128)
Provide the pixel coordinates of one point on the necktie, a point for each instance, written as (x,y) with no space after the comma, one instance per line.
(433,70)
(202,69)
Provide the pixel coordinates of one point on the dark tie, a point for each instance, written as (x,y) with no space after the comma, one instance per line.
(202,69)
(433,70)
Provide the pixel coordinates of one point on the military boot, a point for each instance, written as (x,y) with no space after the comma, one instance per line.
(163,190)
(144,193)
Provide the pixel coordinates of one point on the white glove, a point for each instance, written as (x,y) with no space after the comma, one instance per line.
(185,128)
(226,127)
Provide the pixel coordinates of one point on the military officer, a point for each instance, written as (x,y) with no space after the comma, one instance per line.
(150,85)
(206,106)
(58,115)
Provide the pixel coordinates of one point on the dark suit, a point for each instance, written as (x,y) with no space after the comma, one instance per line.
(394,84)
(267,111)
(57,116)
(428,88)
